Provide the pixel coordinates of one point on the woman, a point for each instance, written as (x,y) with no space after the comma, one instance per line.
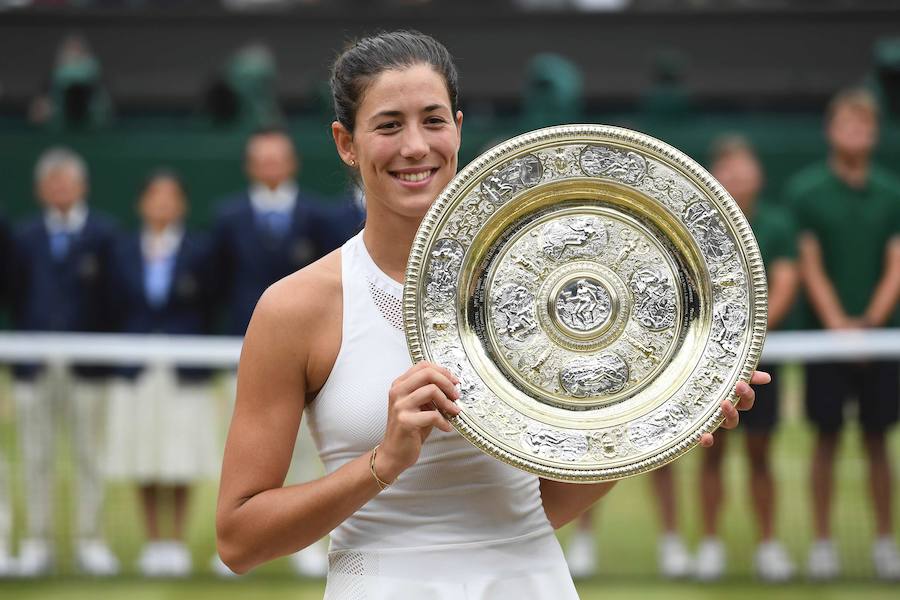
(157,433)
(413,512)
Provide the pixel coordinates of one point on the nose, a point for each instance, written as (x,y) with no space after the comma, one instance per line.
(415,146)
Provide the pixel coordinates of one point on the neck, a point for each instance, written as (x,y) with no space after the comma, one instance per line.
(852,170)
(389,240)
(158,228)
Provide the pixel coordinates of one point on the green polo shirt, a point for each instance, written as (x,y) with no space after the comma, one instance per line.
(773,227)
(776,236)
(852,225)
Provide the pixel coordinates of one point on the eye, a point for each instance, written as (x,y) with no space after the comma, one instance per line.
(388,126)
(435,121)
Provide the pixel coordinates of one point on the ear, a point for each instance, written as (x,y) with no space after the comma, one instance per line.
(459,120)
(343,141)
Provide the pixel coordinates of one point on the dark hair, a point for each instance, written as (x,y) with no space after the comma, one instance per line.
(365,59)
(163,173)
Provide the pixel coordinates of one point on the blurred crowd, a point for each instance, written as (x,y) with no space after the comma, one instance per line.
(70,268)
(831,247)
(829,241)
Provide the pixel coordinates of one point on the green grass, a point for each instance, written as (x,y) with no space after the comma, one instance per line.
(281,588)
(626,527)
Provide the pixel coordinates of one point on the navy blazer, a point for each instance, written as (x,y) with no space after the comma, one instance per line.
(187,310)
(248,260)
(6,261)
(71,294)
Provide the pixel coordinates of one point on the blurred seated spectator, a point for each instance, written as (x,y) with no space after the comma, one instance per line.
(244,95)
(553,93)
(77,97)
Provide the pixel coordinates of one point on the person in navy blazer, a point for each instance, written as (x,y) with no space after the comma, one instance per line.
(162,432)
(261,235)
(269,230)
(60,283)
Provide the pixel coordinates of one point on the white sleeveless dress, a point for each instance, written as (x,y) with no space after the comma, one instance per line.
(458,524)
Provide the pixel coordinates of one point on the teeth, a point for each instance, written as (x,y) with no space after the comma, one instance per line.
(414,177)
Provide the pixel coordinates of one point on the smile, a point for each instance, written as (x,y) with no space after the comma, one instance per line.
(413,176)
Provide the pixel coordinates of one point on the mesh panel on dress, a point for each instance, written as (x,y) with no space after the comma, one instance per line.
(346,572)
(390,307)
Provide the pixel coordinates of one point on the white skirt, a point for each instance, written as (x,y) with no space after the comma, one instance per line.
(530,567)
(161,430)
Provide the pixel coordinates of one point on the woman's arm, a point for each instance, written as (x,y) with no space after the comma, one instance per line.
(257,519)
(885,297)
(822,295)
(783,279)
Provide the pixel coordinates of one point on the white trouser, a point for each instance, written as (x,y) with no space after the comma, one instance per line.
(5,504)
(53,398)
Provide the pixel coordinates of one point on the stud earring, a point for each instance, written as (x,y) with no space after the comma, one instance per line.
(352,163)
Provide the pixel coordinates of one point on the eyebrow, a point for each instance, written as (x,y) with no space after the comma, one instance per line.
(397,113)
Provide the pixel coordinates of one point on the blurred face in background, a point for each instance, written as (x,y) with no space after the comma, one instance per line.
(61,188)
(405,141)
(852,131)
(271,160)
(162,204)
(740,173)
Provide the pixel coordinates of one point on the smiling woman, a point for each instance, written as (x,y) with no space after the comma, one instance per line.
(412,512)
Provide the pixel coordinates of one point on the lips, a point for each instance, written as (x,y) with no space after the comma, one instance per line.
(412,175)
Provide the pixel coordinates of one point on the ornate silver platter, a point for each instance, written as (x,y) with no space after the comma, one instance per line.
(598,294)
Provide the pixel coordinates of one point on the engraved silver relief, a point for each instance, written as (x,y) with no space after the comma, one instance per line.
(583,305)
(571,232)
(514,313)
(728,327)
(519,174)
(600,161)
(706,227)
(443,269)
(654,299)
(603,374)
(661,426)
(555,444)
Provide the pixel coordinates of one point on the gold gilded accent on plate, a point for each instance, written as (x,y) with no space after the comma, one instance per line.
(597,293)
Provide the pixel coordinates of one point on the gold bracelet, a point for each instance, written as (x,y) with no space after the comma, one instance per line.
(378,480)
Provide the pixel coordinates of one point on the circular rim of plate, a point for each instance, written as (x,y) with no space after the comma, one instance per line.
(599,134)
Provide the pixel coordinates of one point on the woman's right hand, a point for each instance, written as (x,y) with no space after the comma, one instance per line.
(413,403)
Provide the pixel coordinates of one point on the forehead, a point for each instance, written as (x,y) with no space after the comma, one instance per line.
(853,112)
(408,89)
(269,143)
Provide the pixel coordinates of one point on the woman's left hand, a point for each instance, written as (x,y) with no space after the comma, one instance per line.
(746,396)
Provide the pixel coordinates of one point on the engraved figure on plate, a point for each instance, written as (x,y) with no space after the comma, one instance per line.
(704,224)
(627,167)
(572,232)
(443,269)
(519,174)
(654,299)
(514,314)
(603,374)
(583,305)
(555,444)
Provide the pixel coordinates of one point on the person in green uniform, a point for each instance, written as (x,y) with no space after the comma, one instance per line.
(735,164)
(848,214)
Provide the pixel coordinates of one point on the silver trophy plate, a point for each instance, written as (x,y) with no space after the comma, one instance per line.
(597,293)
